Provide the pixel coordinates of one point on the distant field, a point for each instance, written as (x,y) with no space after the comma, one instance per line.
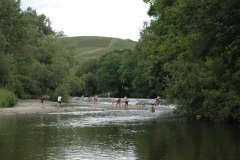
(97,46)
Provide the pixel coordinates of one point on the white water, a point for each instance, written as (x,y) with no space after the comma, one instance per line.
(97,117)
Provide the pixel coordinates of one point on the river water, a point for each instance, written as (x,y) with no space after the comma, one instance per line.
(118,134)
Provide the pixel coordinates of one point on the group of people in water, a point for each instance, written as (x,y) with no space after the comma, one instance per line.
(118,102)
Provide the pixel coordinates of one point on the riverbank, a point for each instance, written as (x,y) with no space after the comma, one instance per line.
(32,106)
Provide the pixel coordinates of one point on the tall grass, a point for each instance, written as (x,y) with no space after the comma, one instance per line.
(7,98)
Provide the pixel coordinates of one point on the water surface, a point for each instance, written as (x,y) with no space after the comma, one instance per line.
(118,134)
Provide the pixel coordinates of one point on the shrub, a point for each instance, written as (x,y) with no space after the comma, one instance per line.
(26,87)
(7,98)
(61,90)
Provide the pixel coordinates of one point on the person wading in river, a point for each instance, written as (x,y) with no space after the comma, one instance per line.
(126,101)
(152,110)
(112,100)
(59,101)
(95,99)
(158,99)
(118,102)
(41,101)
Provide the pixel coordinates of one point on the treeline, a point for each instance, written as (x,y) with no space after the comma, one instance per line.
(191,51)
(35,60)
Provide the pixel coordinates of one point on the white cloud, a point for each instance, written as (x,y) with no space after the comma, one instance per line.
(108,18)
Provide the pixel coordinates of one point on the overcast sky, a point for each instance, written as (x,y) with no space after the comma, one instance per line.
(107,18)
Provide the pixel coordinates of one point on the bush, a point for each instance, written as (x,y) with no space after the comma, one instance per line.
(62,91)
(7,98)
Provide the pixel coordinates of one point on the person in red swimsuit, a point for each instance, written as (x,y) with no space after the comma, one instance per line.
(41,101)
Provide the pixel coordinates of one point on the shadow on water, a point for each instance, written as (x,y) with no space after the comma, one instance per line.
(116,134)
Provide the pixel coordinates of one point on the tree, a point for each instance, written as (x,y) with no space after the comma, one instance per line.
(38,26)
(90,84)
(126,71)
(11,24)
(197,48)
(107,75)
(3,71)
(88,65)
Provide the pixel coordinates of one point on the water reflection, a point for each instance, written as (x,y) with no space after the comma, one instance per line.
(118,134)
(58,122)
(41,122)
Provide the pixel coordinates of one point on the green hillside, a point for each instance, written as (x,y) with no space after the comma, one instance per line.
(98,46)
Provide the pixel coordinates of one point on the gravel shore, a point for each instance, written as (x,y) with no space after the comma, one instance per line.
(32,106)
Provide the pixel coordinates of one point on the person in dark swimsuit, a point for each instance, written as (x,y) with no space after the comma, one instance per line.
(118,102)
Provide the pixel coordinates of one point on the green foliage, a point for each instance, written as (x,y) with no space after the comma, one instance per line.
(11,24)
(88,65)
(188,54)
(26,87)
(63,91)
(192,49)
(7,98)
(38,26)
(90,88)
(148,70)
(70,85)
(107,72)
(74,84)
(3,64)
(115,73)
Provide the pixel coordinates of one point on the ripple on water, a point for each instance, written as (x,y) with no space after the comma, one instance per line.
(93,152)
(106,117)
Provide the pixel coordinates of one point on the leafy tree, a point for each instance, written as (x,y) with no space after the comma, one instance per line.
(107,75)
(126,71)
(2,59)
(90,84)
(38,26)
(43,75)
(27,87)
(34,60)
(74,84)
(197,48)
(146,73)
(88,65)
(11,24)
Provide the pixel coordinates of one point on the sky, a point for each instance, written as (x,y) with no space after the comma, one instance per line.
(108,18)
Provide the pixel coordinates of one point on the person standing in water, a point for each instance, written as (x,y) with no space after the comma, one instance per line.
(126,101)
(95,99)
(112,100)
(158,99)
(41,101)
(59,101)
(152,110)
(118,102)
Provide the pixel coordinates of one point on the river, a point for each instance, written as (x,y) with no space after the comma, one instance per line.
(117,134)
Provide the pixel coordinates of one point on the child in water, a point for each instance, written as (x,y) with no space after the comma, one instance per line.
(152,110)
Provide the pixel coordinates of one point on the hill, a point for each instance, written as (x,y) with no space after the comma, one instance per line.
(98,46)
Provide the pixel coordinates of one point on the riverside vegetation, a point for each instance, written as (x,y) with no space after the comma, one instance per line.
(188,54)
